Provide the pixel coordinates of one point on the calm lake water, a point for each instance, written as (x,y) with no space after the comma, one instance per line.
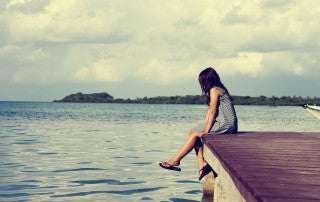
(110,152)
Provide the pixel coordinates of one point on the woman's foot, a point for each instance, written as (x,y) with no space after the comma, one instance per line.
(170,165)
(201,165)
(206,169)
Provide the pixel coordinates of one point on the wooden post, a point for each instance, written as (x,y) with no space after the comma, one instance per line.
(208,188)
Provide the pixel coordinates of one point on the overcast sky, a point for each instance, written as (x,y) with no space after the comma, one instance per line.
(130,49)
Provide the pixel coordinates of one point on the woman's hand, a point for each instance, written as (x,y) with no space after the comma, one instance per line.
(200,134)
(195,133)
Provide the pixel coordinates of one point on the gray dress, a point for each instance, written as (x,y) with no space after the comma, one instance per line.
(226,121)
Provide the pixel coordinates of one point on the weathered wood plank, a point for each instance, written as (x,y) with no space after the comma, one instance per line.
(270,166)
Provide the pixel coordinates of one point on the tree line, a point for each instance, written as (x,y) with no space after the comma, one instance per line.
(191,99)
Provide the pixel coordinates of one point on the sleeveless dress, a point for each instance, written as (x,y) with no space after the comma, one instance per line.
(226,121)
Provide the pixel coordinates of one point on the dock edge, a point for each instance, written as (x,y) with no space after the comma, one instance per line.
(223,187)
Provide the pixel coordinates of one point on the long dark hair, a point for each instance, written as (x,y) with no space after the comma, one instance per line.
(208,79)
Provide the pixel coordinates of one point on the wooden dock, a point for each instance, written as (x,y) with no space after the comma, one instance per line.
(264,166)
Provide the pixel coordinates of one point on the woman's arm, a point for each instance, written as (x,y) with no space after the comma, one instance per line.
(211,114)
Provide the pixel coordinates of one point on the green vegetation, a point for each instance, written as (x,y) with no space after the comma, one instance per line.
(91,98)
(191,99)
(275,101)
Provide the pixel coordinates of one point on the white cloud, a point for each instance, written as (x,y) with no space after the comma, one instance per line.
(64,21)
(298,70)
(246,63)
(164,73)
(31,74)
(35,55)
(100,71)
(157,42)
(13,3)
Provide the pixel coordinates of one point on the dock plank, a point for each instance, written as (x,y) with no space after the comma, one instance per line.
(270,166)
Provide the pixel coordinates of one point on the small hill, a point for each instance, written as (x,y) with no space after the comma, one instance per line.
(93,98)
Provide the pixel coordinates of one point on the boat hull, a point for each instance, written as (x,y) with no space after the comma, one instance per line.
(314,110)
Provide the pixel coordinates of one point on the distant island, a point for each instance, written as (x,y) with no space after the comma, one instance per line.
(190,99)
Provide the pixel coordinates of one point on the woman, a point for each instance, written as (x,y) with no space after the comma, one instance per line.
(220,119)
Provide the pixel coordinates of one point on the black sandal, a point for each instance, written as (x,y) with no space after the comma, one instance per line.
(205,171)
(169,167)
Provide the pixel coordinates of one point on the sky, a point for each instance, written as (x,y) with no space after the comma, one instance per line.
(146,48)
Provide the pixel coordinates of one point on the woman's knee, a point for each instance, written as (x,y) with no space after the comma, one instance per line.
(193,134)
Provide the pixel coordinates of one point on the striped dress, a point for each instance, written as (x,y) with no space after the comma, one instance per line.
(226,121)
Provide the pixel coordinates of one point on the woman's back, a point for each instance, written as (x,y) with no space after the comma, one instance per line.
(226,121)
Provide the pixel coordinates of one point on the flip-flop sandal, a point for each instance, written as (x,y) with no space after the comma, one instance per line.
(205,171)
(169,167)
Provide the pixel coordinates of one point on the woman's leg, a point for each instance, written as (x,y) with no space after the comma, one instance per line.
(199,152)
(186,148)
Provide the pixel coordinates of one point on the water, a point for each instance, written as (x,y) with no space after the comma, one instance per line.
(110,152)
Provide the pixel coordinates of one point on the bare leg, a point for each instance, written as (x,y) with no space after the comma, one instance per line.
(193,141)
(186,148)
(199,152)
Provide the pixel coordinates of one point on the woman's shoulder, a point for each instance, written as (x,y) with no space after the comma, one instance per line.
(217,90)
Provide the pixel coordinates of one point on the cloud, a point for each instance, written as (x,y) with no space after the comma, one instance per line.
(246,63)
(164,43)
(100,71)
(27,6)
(234,16)
(63,21)
(276,4)
(164,73)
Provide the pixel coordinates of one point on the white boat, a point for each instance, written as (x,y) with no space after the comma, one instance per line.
(313,109)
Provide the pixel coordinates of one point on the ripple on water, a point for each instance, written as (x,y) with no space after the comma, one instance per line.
(106,181)
(186,181)
(193,192)
(146,199)
(182,200)
(84,162)
(17,187)
(47,153)
(11,165)
(141,163)
(121,192)
(26,142)
(14,195)
(77,169)
(125,157)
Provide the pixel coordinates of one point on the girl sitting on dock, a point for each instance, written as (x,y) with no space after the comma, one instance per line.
(220,119)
